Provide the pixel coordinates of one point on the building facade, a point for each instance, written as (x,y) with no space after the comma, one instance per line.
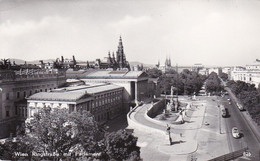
(15,86)
(117,62)
(135,83)
(103,100)
(249,74)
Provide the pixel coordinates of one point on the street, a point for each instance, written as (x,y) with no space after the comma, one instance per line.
(235,119)
(250,137)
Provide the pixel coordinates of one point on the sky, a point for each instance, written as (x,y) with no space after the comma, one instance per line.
(210,32)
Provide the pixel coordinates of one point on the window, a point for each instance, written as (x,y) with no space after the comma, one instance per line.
(40,90)
(7,113)
(7,96)
(30,92)
(18,95)
(16,110)
(24,94)
(36,91)
(45,90)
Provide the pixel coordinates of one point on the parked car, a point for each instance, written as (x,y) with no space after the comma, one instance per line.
(235,132)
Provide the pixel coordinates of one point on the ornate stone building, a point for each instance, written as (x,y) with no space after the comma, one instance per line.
(116,63)
(16,85)
(103,100)
(249,74)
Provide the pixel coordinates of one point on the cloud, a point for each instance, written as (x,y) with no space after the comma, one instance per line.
(10,28)
(129,20)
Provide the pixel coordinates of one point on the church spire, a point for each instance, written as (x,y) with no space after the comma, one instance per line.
(121,60)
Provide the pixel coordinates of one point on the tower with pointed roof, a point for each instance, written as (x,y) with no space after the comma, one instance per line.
(168,62)
(120,55)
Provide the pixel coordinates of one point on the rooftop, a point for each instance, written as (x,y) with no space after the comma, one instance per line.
(73,93)
(114,74)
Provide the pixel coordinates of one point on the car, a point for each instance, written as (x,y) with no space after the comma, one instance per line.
(240,107)
(235,132)
(223,111)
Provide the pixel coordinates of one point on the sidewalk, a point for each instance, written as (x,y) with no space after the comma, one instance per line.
(183,135)
(202,142)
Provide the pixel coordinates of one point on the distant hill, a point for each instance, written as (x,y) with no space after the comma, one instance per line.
(135,63)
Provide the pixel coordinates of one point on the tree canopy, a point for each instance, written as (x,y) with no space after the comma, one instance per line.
(154,73)
(186,82)
(213,84)
(249,97)
(58,134)
(223,76)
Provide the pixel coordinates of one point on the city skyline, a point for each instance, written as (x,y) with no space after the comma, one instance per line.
(218,33)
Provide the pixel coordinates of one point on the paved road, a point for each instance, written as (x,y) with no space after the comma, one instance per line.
(248,138)
(139,117)
(237,119)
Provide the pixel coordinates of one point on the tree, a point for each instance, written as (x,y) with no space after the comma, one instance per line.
(154,73)
(61,132)
(186,82)
(224,76)
(121,145)
(249,97)
(12,146)
(213,84)
(68,136)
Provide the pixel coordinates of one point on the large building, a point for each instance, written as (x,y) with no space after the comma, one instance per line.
(116,63)
(249,74)
(112,61)
(103,100)
(16,85)
(135,83)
